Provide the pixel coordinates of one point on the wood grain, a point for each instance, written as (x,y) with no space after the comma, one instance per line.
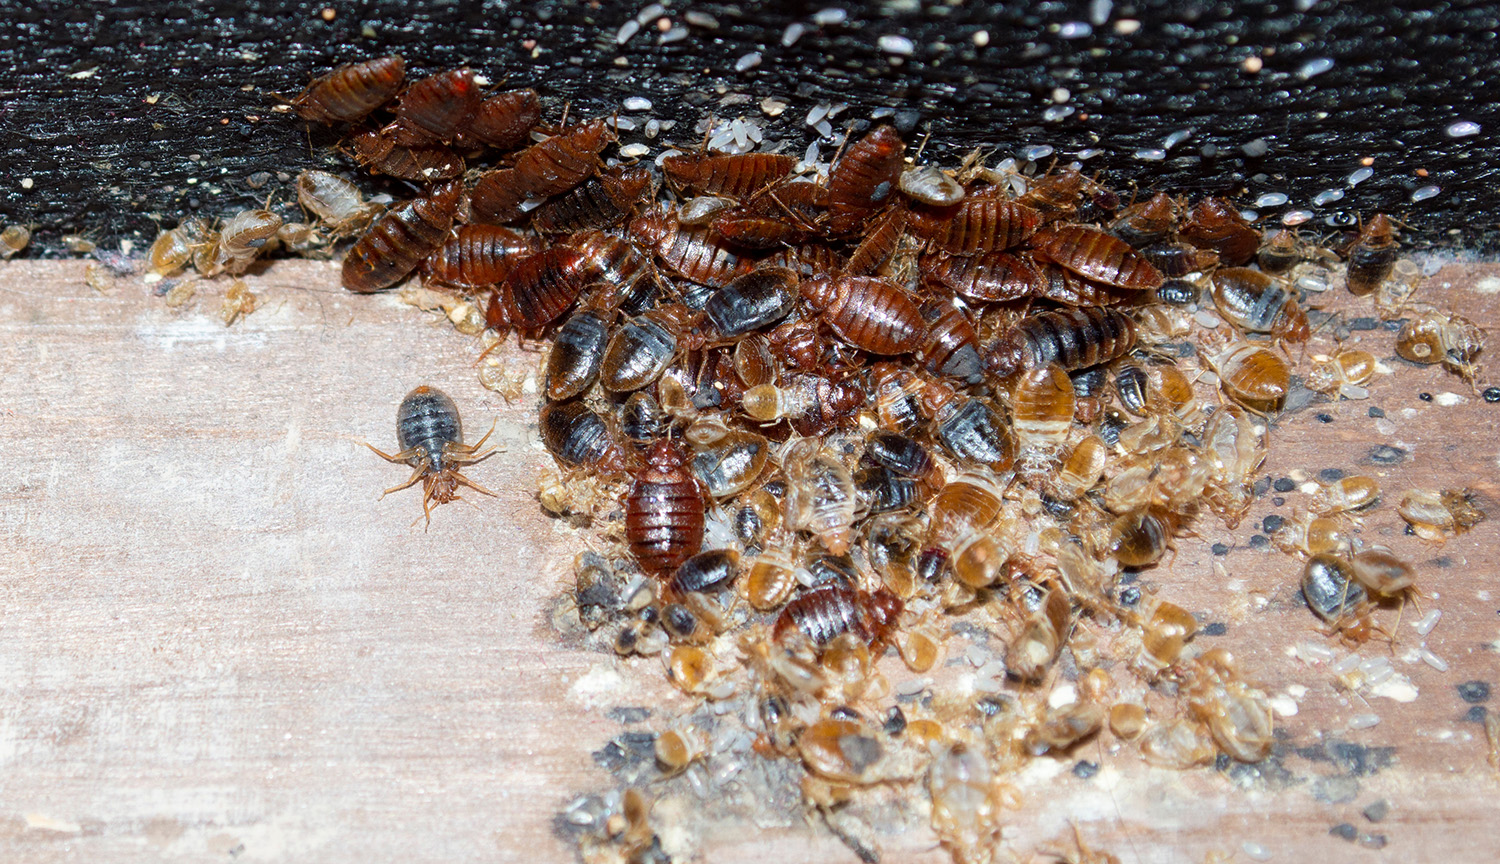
(217,644)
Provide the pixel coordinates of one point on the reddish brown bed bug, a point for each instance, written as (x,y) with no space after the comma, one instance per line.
(808,259)
(828,611)
(1056,196)
(1215,224)
(628,278)
(377,151)
(478,256)
(783,214)
(1253,301)
(734,175)
(1372,256)
(547,168)
(865,178)
(664,511)
(868,312)
(432,110)
(577,351)
(695,254)
(1253,376)
(351,91)
(950,347)
(1071,338)
(578,436)
(1067,288)
(431,438)
(879,243)
(641,348)
(1095,255)
(601,201)
(539,289)
(1146,223)
(401,239)
(503,121)
(994,278)
(798,344)
(980,223)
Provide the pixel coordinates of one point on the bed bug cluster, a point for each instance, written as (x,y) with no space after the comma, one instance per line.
(813,417)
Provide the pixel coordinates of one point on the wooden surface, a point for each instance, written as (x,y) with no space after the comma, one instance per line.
(216,644)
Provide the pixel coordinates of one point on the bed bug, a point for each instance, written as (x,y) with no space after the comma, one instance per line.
(1056,196)
(538,290)
(1176,260)
(577,351)
(1253,301)
(730,464)
(642,420)
(1088,393)
(1329,587)
(1251,375)
(1179,292)
(432,110)
(478,256)
(503,121)
(829,611)
(1072,338)
(1042,414)
(750,302)
(1095,255)
(878,244)
(664,511)
(400,240)
(1215,224)
(1280,252)
(628,278)
(695,254)
(547,168)
(351,91)
(578,436)
(13,239)
(1344,374)
(753,361)
(1433,336)
(820,494)
(1146,223)
(1432,513)
(1382,572)
(1344,495)
(708,571)
(808,259)
(975,433)
(979,224)
(640,349)
(1066,288)
(863,180)
(1372,256)
(431,438)
(731,175)
(174,248)
(702,210)
(241,240)
(868,312)
(993,278)
(770,222)
(336,202)
(378,151)
(798,343)
(802,396)
(930,185)
(950,346)
(882,490)
(901,454)
(601,201)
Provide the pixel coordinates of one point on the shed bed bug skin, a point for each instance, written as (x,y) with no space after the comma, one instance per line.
(664,511)
(431,438)
(401,240)
(336,202)
(351,91)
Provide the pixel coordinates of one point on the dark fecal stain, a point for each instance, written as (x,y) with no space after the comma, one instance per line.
(1130,596)
(1284,484)
(1085,770)
(1396,325)
(1491,395)
(627,714)
(1219,549)
(1358,324)
(1356,760)
(1474,692)
(1377,413)
(1385,454)
(1344,831)
(1222,762)
(1214,628)
(1331,475)
(1476,714)
(626,751)
(1278,501)
(1372,841)
(1425,397)
(1442,561)
(1325,418)
(1377,811)
(1262,486)
(1258,541)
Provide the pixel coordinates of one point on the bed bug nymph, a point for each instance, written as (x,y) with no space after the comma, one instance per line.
(432,442)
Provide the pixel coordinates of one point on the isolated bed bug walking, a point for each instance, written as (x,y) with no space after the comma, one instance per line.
(432,110)
(1096,255)
(864,179)
(1072,338)
(400,240)
(664,511)
(1372,256)
(478,256)
(351,91)
(868,312)
(734,175)
(431,438)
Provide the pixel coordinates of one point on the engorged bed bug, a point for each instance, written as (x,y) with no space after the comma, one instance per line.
(577,351)
(993,278)
(664,511)
(1071,338)
(1095,255)
(757,299)
(431,438)
(828,611)
(478,256)
(351,91)
(578,436)
(641,348)
(868,312)
(950,345)
(401,239)
(547,168)
(1255,302)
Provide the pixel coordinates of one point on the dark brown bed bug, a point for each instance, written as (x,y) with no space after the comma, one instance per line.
(577,351)
(900,453)
(664,511)
(1215,224)
(1253,301)
(734,175)
(641,348)
(578,436)
(950,346)
(868,312)
(1176,259)
(974,432)
(377,151)
(1146,223)
(539,289)
(1056,196)
(878,245)
(547,168)
(503,121)
(1095,255)
(351,91)
(1372,256)
(434,109)
(601,201)
(628,279)
(828,611)
(478,256)
(798,344)
(696,254)
(755,300)
(642,419)
(994,278)
(431,438)
(865,178)
(1071,338)
(980,223)
(1064,287)
(401,239)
